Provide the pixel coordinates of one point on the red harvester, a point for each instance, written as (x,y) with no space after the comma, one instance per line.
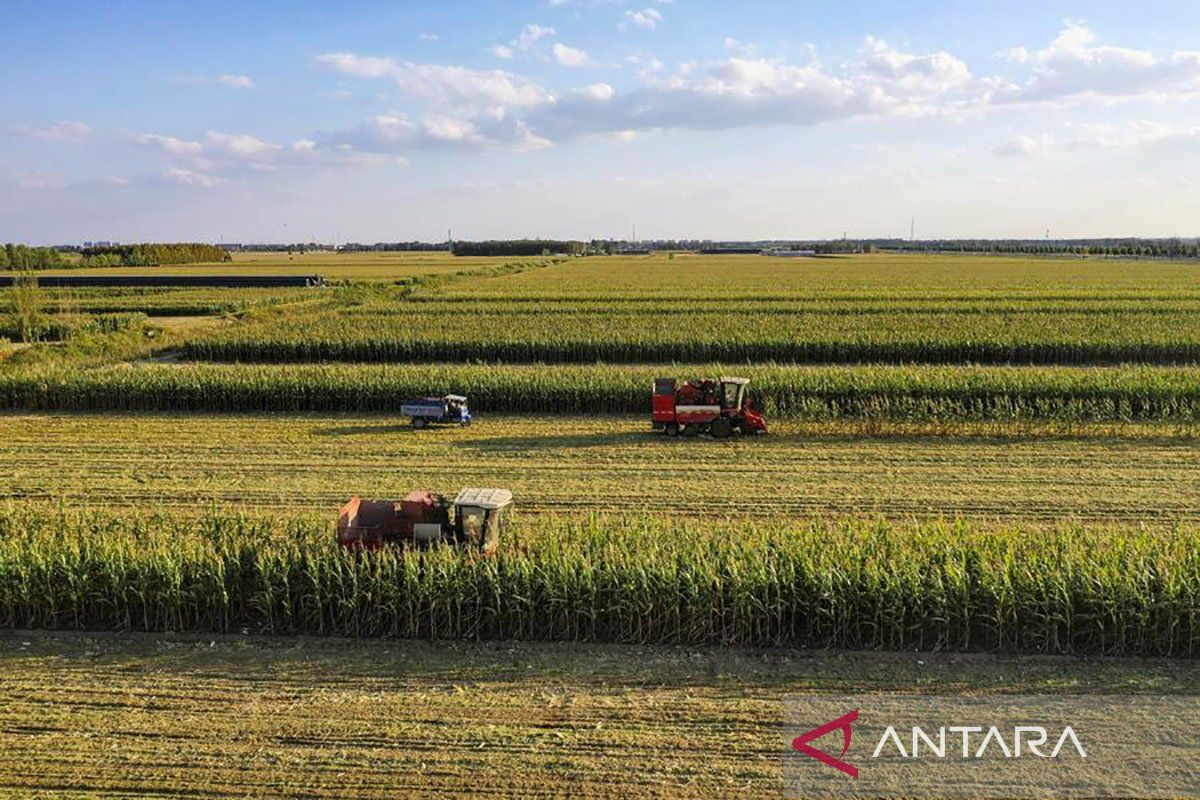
(716,407)
(424,519)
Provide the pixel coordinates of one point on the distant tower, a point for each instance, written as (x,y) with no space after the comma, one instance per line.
(634,239)
(912,227)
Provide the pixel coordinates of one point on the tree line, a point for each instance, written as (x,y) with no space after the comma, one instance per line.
(519,247)
(24,257)
(1146,248)
(151,254)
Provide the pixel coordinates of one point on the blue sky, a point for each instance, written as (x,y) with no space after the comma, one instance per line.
(375,121)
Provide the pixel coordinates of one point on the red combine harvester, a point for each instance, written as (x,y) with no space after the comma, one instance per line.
(716,407)
(424,519)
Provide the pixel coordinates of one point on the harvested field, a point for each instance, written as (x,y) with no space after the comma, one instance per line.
(89,716)
(573,463)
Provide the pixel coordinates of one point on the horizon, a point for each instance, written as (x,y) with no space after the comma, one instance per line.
(575,119)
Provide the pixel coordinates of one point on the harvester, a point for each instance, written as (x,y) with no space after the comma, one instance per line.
(474,520)
(717,407)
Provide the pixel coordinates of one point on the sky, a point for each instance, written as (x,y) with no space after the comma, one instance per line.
(385,121)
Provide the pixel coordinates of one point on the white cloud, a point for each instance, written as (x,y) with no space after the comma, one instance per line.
(570,56)
(187,177)
(425,36)
(62,131)
(744,92)
(647,19)
(530,34)
(501,51)
(230,80)
(399,133)
(444,85)
(239,145)
(1136,134)
(1074,68)
(171,144)
(236,81)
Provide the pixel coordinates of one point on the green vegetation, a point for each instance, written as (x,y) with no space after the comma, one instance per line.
(152,255)
(1101,333)
(854,585)
(518,247)
(27,318)
(911,393)
(24,257)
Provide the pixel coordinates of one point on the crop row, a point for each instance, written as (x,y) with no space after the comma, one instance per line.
(916,392)
(856,585)
(531,336)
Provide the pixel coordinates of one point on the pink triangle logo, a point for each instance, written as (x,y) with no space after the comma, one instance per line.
(801,743)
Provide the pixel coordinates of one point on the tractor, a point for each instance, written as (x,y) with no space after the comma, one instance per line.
(474,521)
(717,407)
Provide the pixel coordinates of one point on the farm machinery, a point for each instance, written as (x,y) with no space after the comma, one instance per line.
(452,409)
(473,520)
(716,407)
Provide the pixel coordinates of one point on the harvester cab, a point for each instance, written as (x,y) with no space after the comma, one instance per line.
(425,519)
(716,407)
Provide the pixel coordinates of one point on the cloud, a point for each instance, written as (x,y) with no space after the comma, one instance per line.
(239,145)
(62,131)
(171,145)
(745,92)
(647,19)
(530,34)
(525,40)
(1137,134)
(236,81)
(570,56)
(398,133)
(425,36)
(1074,68)
(187,177)
(440,84)
(232,81)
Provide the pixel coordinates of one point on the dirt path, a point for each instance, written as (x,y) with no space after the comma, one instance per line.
(98,715)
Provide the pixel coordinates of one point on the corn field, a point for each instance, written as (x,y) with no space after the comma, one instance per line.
(610,579)
(918,392)
(847,332)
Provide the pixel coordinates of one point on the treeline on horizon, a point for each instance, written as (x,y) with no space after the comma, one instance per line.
(519,247)
(151,254)
(20,257)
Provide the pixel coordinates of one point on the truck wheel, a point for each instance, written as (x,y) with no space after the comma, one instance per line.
(720,428)
(691,430)
(672,429)
(419,422)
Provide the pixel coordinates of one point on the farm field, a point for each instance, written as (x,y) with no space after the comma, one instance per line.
(356,266)
(573,464)
(975,461)
(285,717)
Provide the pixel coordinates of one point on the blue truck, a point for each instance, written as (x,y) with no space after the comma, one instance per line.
(449,409)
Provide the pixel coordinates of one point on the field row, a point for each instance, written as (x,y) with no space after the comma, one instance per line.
(424,332)
(570,465)
(918,392)
(616,578)
(320,718)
